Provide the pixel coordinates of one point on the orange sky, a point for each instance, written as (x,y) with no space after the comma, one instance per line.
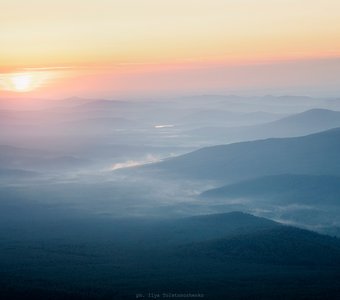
(114,47)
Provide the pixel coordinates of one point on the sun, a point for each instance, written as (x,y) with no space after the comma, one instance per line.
(22,82)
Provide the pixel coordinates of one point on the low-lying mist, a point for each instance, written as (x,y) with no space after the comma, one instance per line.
(84,157)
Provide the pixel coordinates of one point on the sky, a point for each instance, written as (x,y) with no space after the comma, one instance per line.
(108,48)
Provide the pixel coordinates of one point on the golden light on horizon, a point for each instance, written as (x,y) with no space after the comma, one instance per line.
(105,32)
(106,47)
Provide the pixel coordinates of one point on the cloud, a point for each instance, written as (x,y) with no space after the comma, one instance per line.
(164,126)
(134,163)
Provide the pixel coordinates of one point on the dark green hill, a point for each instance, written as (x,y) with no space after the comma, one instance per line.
(281,245)
(234,255)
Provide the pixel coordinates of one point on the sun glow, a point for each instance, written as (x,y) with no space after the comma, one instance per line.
(24,81)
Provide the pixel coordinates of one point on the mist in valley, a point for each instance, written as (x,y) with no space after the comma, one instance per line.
(121,184)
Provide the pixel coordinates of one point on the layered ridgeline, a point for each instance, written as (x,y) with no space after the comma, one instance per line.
(283,189)
(25,159)
(215,255)
(311,201)
(308,122)
(316,154)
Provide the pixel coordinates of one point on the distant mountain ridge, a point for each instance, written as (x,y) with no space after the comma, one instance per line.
(308,122)
(12,157)
(313,120)
(285,189)
(315,154)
